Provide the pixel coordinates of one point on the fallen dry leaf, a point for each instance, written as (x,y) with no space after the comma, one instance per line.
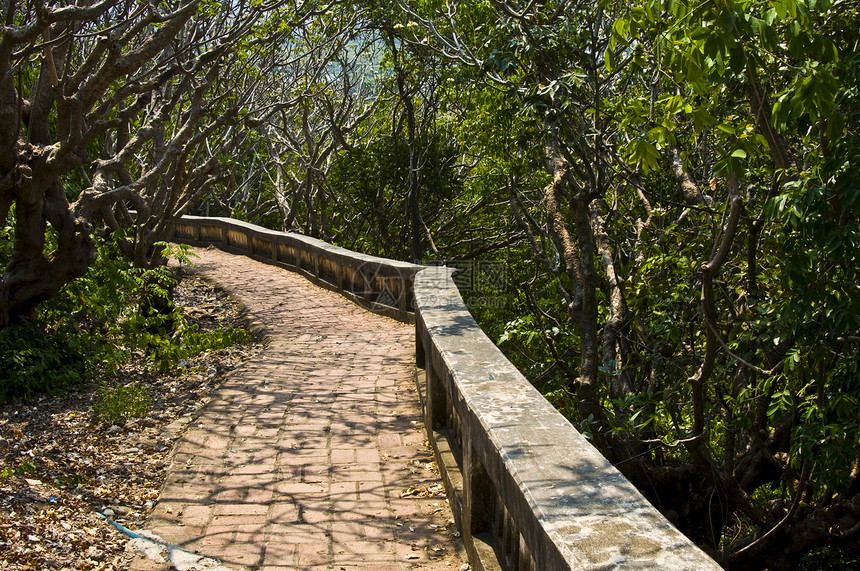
(435,490)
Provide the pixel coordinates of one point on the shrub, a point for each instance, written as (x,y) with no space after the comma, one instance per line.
(37,360)
(98,323)
(118,403)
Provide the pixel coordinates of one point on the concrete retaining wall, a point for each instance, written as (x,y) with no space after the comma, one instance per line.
(529,492)
(378,284)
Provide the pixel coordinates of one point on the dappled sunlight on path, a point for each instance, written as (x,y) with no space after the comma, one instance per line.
(312,455)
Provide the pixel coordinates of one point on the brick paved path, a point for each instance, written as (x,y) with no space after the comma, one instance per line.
(301,458)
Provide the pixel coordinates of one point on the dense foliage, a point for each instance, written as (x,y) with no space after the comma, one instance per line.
(96,325)
(695,306)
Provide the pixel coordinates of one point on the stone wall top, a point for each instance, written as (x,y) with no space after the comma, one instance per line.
(573,509)
(356,258)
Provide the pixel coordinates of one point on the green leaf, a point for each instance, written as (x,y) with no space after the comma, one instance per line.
(726,128)
(702,118)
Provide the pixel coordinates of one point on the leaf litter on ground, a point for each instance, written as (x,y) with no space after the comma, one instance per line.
(59,467)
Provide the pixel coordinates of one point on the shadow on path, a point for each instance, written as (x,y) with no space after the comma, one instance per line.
(313,454)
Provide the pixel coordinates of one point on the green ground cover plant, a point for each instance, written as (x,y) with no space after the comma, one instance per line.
(113,315)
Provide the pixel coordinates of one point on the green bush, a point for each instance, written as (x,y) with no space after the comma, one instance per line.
(36,360)
(113,315)
(118,403)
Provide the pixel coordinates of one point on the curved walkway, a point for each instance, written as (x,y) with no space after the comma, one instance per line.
(313,454)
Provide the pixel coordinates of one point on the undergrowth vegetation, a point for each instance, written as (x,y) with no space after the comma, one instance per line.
(118,403)
(97,324)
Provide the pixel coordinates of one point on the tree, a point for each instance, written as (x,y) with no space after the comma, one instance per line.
(33,158)
(320,90)
(332,104)
(109,105)
(747,102)
(697,232)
